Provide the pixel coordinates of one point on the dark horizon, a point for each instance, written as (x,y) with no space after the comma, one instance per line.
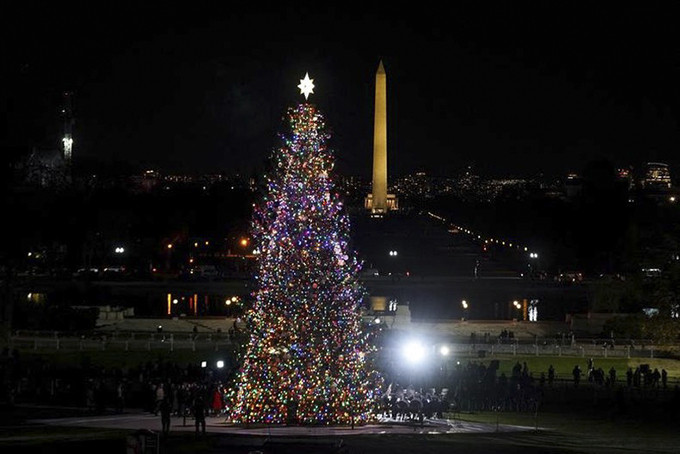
(513,89)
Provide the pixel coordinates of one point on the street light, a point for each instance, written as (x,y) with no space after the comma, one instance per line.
(119,250)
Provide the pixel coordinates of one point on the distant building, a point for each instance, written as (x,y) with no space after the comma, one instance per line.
(573,186)
(45,168)
(51,167)
(626,176)
(657,177)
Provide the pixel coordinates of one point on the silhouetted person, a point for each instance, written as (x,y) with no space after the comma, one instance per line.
(166,410)
(551,375)
(577,375)
(612,376)
(656,376)
(664,378)
(199,413)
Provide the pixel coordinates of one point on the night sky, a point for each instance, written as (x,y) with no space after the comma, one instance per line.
(513,88)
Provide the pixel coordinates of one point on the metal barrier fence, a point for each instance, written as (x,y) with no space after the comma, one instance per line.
(172,342)
(168,343)
(481,350)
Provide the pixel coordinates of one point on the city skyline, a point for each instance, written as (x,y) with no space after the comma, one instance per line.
(516,91)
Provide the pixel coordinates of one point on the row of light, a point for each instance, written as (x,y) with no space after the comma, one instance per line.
(532,255)
(487,240)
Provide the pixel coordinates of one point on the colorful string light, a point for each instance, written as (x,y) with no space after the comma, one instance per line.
(307,358)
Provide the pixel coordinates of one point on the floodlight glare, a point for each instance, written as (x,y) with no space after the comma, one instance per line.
(220,364)
(444,350)
(204,364)
(414,352)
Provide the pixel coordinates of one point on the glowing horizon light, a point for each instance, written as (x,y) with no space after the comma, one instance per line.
(306,86)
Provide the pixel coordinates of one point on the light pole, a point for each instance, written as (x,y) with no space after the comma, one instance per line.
(517,306)
(533,256)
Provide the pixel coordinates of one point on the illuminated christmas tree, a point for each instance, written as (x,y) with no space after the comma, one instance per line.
(306,360)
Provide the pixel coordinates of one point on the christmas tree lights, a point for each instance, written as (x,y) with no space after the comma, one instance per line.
(306,361)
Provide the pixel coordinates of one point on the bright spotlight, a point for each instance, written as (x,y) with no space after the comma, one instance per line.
(444,350)
(204,364)
(377,321)
(414,352)
(220,364)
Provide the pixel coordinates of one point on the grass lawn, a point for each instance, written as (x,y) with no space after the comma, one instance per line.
(563,365)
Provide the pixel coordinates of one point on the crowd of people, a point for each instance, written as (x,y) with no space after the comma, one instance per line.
(192,392)
(158,387)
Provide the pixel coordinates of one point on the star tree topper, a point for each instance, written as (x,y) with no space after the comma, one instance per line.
(306,86)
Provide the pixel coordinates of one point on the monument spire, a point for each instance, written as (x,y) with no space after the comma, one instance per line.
(378,201)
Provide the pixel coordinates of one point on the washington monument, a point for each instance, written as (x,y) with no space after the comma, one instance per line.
(378,201)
